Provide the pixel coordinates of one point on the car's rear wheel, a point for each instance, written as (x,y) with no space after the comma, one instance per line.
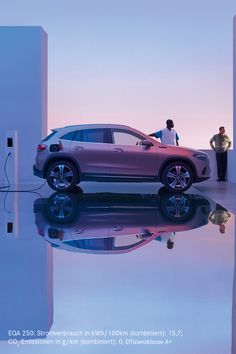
(62,208)
(62,176)
(177,177)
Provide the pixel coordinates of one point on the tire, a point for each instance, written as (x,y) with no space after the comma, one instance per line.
(177,177)
(177,208)
(62,176)
(62,208)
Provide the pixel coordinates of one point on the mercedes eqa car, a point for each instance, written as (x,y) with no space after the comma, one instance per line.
(111,152)
(102,223)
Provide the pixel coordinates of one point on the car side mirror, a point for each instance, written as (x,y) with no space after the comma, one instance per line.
(147,143)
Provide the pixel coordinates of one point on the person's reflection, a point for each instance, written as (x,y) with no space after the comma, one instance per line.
(168,238)
(220,216)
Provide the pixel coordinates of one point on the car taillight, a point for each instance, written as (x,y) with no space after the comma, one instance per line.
(41,147)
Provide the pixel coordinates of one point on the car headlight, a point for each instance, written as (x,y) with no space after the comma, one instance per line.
(203,157)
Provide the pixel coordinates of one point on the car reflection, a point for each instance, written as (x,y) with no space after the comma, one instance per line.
(104,223)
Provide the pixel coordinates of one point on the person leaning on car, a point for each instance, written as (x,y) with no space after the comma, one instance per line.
(167,135)
(220,143)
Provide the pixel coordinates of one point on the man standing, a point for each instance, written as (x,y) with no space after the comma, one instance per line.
(220,216)
(220,143)
(167,135)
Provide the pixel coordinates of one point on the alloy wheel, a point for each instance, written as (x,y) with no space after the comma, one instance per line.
(178,177)
(61,176)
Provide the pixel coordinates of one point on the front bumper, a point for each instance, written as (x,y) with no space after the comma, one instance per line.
(201,179)
(203,172)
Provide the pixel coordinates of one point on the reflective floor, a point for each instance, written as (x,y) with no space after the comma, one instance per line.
(116,272)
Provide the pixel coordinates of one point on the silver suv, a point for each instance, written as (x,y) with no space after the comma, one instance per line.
(111,152)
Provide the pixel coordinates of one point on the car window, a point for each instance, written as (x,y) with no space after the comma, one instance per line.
(50,135)
(93,135)
(68,136)
(127,241)
(92,244)
(78,136)
(87,135)
(126,138)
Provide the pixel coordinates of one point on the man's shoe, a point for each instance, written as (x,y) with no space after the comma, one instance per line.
(219,180)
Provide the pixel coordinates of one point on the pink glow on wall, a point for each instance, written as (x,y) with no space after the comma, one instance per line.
(137,62)
(197,104)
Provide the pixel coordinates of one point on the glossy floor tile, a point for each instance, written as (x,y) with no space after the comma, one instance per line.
(116,272)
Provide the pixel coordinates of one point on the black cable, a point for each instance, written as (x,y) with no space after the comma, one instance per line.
(4,204)
(27,190)
(9,184)
(5,198)
(5,170)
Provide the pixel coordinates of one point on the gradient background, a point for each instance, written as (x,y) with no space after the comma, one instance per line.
(137,62)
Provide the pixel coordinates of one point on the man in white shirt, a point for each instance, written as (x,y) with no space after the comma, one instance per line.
(167,135)
(168,238)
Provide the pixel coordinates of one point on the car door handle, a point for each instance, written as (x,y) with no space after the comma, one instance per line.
(118,150)
(118,228)
(80,148)
(79,231)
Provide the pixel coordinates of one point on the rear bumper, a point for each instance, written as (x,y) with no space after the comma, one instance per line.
(37,172)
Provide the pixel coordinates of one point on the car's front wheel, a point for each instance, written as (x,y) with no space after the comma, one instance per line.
(177,207)
(177,177)
(62,176)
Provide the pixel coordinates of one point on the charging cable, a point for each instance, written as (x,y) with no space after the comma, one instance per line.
(9,184)
(5,171)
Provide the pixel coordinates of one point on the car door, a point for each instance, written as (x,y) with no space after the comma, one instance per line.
(130,158)
(90,149)
(132,220)
(92,223)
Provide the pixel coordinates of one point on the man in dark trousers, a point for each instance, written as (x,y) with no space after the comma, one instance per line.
(220,143)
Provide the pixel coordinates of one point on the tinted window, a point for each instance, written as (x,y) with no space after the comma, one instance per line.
(68,136)
(78,136)
(92,244)
(126,138)
(127,241)
(93,135)
(50,135)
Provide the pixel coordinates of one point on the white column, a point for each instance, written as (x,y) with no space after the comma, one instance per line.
(232,154)
(11,158)
(234,297)
(26,269)
(23,94)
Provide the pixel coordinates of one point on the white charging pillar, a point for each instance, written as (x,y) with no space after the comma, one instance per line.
(10,219)
(23,99)
(232,153)
(233,349)
(233,179)
(11,158)
(26,271)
